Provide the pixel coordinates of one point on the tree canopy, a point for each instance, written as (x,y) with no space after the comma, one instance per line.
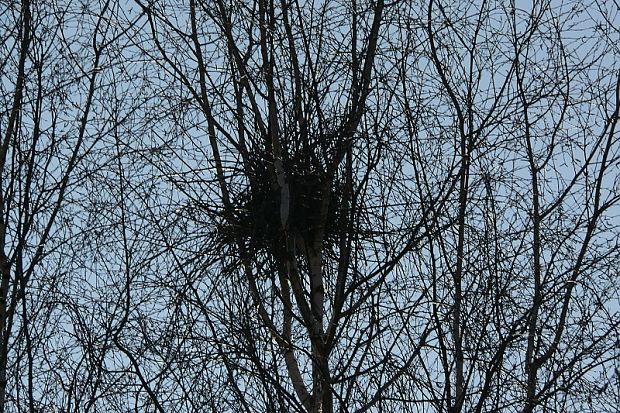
(309,206)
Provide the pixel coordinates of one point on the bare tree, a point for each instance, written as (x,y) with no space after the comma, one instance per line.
(394,186)
(329,206)
(537,180)
(56,79)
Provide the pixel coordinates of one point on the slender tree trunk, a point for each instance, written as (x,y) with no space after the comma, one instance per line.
(5,270)
(5,265)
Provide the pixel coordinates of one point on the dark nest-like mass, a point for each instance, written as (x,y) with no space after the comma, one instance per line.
(257,221)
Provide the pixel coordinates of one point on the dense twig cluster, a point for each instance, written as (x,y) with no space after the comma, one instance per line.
(257,216)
